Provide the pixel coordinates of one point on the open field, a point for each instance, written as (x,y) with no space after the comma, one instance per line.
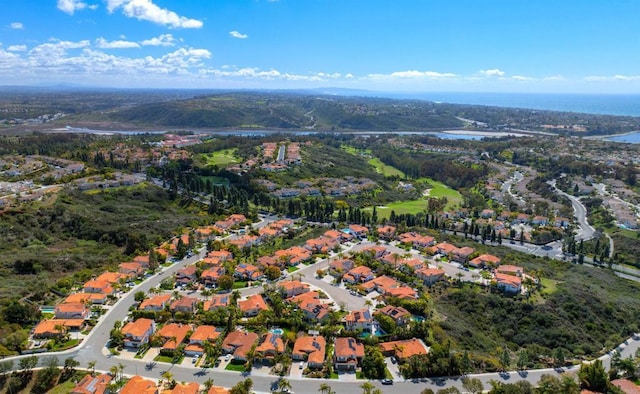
(384,169)
(439,189)
(220,158)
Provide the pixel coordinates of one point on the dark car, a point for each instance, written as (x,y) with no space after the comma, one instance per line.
(386,381)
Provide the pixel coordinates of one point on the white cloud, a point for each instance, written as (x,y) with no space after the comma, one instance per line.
(522,78)
(163,40)
(118,44)
(494,72)
(17,48)
(554,78)
(412,74)
(16,25)
(148,11)
(71,6)
(237,34)
(612,78)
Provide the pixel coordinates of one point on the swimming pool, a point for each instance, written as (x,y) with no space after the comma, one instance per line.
(277,331)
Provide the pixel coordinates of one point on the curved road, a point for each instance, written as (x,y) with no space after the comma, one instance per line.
(586,231)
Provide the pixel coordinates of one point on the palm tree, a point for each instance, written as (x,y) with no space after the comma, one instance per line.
(114,372)
(168,377)
(324,388)
(207,385)
(92,366)
(284,384)
(367,388)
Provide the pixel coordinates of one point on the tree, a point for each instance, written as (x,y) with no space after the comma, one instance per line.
(373,364)
(593,376)
(284,384)
(505,359)
(367,388)
(449,390)
(208,384)
(472,385)
(28,363)
(139,296)
(225,282)
(6,366)
(92,366)
(558,357)
(243,387)
(46,377)
(324,389)
(523,359)
(70,365)
(153,259)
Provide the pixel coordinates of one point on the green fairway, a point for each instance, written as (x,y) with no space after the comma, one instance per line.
(439,189)
(220,158)
(384,169)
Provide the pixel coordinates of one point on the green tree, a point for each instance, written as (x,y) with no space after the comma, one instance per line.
(46,377)
(284,385)
(558,357)
(373,364)
(449,390)
(472,385)
(6,366)
(324,389)
(92,367)
(243,387)
(367,387)
(139,296)
(225,282)
(505,359)
(593,376)
(523,359)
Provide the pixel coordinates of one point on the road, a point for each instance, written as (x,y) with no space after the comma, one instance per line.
(585,230)
(506,187)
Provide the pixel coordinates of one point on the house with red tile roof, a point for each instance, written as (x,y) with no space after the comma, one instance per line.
(311,349)
(92,384)
(209,277)
(358,230)
(321,245)
(186,275)
(510,270)
(416,240)
(98,286)
(400,315)
(443,248)
(52,328)
(404,349)
(253,305)
(484,260)
(315,311)
(131,270)
(338,235)
(76,310)
(138,333)
(461,255)
(627,386)
(222,255)
(184,305)
(386,232)
(155,303)
(360,319)
(359,274)
(218,390)
(86,298)
(184,388)
(111,277)
(173,335)
(139,385)
(270,346)
(239,343)
(292,288)
(200,336)
(339,267)
(294,255)
(411,265)
(347,354)
(402,292)
(508,283)
(305,298)
(378,251)
(217,301)
(244,271)
(269,261)
(244,241)
(381,284)
(430,275)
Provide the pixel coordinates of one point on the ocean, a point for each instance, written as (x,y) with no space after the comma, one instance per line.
(604,104)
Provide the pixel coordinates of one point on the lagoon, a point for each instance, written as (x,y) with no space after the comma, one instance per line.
(630,138)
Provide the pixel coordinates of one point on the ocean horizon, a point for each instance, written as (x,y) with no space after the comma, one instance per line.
(602,104)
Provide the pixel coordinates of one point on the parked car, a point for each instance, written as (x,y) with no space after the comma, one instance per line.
(386,381)
(301,365)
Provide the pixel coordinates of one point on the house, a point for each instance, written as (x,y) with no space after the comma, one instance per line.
(347,354)
(245,241)
(111,277)
(321,245)
(540,220)
(416,240)
(156,303)
(52,328)
(315,311)
(386,232)
(561,222)
(399,315)
(484,260)
(340,266)
(72,311)
(338,235)
(626,386)
(430,275)
(310,349)
(381,284)
(293,256)
(92,384)
(360,319)
(253,305)
(184,388)
(131,270)
(186,275)
(139,385)
(209,277)
(402,292)
(173,334)
(222,255)
(521,218)
(217,390)
(378,251)
(292,288)
(510,270)
(487,213)
(358,231)
(461,255)
(86,298)
(137,333)
(271,345)
(411,265)
(239,343)
(508,283)
(184,305)
(217,301)
(98,286)
(245,271)
(359,274)
(269,261)
(202,334)
(443,248)
(404,349)
(305,298)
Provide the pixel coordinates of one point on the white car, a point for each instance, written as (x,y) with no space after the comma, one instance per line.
(301,366)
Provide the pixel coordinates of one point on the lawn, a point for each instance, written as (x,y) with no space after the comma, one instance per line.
(239,284)
(549,286)
(63,388)
(221,158)
(235,367)
(384,169)
(163,359)
(439,189)
(292,268)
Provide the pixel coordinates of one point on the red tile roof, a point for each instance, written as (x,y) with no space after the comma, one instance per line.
(139,385)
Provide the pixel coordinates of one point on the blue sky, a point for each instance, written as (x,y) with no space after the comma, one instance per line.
(564,46)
